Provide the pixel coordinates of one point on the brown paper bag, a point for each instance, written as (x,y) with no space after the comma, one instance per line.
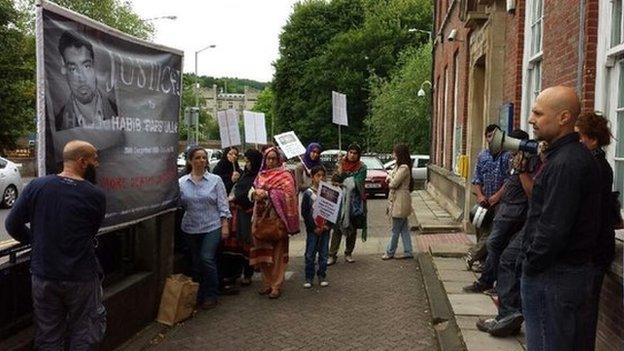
(178,299)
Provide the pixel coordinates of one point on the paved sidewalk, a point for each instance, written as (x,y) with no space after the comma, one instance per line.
(430,216)
(447,250)
(370,305)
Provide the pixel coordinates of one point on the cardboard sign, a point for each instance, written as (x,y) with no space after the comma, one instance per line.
(339,109)
(228,128)
(255,127)
(290,144)
(327,203)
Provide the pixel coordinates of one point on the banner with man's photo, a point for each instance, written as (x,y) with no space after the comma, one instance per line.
(120,94)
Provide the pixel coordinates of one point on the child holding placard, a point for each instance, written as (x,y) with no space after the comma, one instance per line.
(317,240)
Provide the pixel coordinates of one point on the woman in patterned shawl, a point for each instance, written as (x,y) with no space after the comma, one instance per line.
(277,184)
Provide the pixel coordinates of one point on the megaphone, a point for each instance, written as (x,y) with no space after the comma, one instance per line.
(480,216)
(501,141)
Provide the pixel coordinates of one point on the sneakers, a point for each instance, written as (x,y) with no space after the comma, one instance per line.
(349,259)
(476,288)
(485,325)
(307,285)
(507,326)
(331,260)
(386,257)
(324,283)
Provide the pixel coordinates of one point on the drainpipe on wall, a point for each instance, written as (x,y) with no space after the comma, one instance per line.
(433,46)
(581,52)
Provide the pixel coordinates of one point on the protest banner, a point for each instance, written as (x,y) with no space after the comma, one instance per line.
(290,144)
(339,113)
(117,92)
(228,128)
(255,127)
(327,203)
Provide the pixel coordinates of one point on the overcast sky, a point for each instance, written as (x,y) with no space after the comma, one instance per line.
(245,32)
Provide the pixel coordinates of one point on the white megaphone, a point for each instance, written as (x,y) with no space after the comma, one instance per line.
(501,141)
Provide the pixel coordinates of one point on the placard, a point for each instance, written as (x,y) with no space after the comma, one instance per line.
(328,201)
(290,144)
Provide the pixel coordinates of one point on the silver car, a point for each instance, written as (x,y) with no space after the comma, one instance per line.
(419,168)
(10,183)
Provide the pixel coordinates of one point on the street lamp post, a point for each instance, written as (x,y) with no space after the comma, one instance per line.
(416,30)
(211,46)
(421,92)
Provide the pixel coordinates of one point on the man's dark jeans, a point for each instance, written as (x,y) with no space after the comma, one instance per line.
(68,314)
(592,313)
(502,231)
(508,278)
(554,305)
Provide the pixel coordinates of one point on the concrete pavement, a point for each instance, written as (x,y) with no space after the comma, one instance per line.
(446,251)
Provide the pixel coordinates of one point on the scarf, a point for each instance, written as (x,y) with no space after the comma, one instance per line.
(307,161)
(350,167)
(280,185)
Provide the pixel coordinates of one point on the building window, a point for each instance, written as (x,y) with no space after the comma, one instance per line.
(457,126)
(616,22)
(532,61)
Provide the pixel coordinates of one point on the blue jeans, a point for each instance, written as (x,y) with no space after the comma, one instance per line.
(203,249)
(68,314)
(316,244)
(499,237)
(400,227)
(553,304)
(508,278)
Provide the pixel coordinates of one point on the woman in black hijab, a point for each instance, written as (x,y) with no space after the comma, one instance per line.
(235,254)
(227,168)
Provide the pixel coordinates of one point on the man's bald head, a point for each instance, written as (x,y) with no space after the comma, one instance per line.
(561,98)
(554,113)
(77,149)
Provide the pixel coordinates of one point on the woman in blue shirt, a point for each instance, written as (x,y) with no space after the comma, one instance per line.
(205,221)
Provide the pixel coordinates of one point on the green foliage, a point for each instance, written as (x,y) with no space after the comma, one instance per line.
(340,45)
(17,71)
(398,113)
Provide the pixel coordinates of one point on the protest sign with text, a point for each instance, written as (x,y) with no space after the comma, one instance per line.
(117,92)
(328,201)
(255,127)
(290,144)
(228,128)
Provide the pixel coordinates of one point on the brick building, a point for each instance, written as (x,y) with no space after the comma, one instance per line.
(491,59)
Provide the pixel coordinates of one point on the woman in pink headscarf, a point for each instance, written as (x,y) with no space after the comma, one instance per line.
(276,183)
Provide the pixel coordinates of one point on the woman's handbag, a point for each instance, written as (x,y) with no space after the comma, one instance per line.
(266,224)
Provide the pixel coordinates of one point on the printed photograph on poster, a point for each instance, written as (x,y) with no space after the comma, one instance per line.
(327,203)
(339,109)
(290,144)
(228,128)
(255,127)
(118,93)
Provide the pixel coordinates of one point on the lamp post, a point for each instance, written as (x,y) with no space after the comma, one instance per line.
(421,91)
(416,30)
(211,46)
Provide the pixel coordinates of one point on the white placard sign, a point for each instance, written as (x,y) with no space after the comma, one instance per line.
(339,109)
(228,128)
(255,127)
(327,203)
(290,144)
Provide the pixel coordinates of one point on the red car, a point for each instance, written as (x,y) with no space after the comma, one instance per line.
(375,183)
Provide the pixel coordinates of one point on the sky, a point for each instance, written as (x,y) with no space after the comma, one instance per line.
(245,32)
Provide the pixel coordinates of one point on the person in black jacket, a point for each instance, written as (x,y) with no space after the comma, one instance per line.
(595,134)
(235,248)
(228,169)
(561,229)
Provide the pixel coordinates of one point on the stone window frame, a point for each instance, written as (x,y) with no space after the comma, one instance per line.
(532,59)
(457,125)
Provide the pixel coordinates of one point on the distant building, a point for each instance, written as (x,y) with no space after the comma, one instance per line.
(213,101)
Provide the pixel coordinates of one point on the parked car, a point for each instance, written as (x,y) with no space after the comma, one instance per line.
(375,183)
(10,183)
(419,168)
(329,158)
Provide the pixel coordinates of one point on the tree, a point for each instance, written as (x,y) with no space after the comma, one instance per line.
(398,113)
(339,45)
(17,71)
